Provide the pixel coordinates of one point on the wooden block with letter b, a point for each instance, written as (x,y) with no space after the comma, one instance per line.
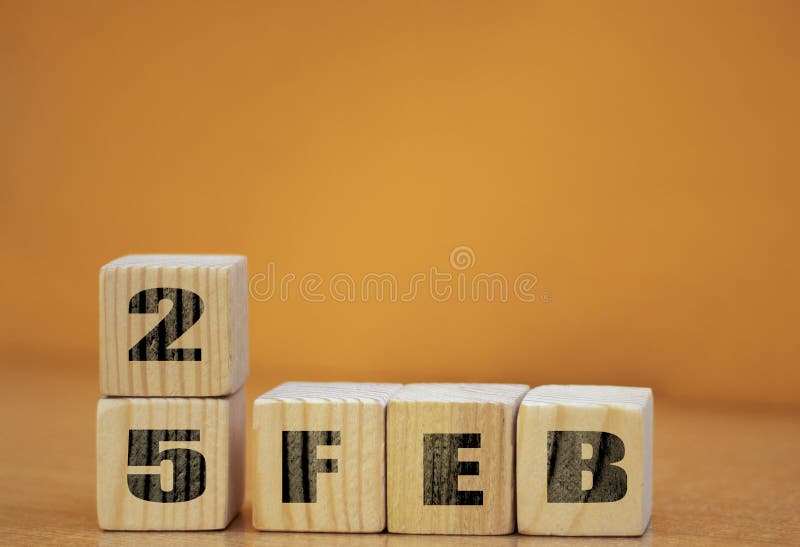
(170,463)
(585,461)
(450,458)
(320,460)
(173,325)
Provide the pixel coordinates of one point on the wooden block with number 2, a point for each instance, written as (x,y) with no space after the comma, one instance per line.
(173,325)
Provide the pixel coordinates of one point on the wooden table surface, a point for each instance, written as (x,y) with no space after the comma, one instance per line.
(724,473)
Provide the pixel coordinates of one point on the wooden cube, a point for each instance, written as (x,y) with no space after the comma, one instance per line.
(320,461)
(450,458)
(170,463)
(173,325)
(585,461)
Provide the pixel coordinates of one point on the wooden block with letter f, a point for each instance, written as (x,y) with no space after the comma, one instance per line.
(585,461)
(319,457)
(170,463)
(450,458)
(173,325)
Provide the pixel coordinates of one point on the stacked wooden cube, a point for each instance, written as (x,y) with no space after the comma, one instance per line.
(171,422)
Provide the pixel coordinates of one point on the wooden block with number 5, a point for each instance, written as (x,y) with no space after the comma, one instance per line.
(320,458)
(450,458)
(173,325)
(170,463)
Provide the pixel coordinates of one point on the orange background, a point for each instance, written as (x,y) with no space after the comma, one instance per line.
(642,160)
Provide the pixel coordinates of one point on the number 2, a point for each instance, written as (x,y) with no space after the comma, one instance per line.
(188,466)
(187,307)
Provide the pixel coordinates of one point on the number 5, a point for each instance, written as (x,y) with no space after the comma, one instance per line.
(188,466)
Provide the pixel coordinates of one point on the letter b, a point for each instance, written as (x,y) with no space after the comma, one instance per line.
(565,466)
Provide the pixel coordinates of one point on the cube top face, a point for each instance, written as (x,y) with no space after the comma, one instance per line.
(585,461)
(450,458)
(319,457)
(174,325)
(331,392)
(583,395)
(462,393)
(170,463)
(177,261)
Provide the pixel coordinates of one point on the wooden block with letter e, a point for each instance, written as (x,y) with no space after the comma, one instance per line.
(170,463)
(585,461)
(173,325)
(450,458)
(320,462)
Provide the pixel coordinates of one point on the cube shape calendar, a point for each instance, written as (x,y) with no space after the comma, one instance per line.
(173,325)
(319,458)
(450,458)
(585,461)
(170,463)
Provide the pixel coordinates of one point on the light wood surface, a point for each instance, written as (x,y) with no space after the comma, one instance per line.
(205,438)
(450,458)
(596,479)
(206,324)
(724,472)
(349,498)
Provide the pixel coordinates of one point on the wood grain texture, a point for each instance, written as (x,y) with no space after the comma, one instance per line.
(420,477)
(350,499)
(545,501)
(219,424)
(221,331)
